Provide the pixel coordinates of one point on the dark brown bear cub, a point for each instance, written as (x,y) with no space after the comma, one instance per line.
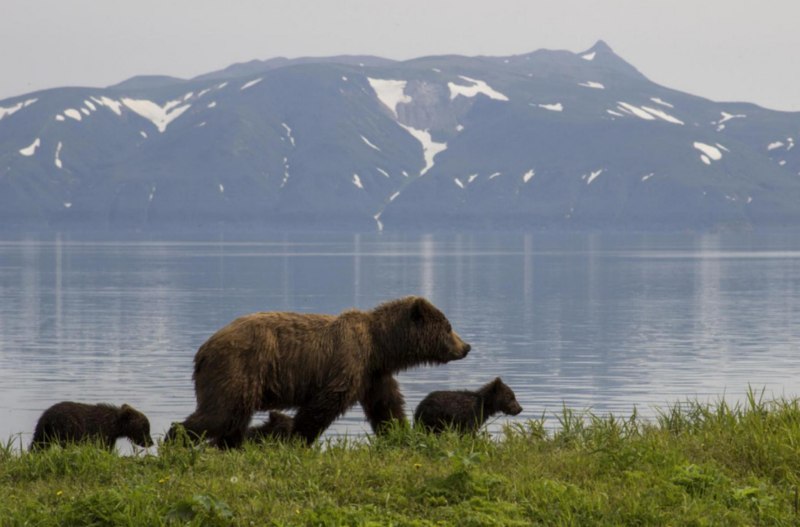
(465,411)
(69,422)
(278,426)
(320,364)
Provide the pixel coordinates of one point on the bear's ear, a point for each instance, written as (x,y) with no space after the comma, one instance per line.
(418,309)
(127,411)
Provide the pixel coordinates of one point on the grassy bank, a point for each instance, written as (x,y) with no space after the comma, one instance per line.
(697,464)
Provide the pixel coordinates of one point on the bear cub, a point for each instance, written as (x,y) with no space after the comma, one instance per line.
(70,422)
(278,426)
(464,410)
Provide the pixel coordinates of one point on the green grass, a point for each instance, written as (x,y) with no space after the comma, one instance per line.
(696,464)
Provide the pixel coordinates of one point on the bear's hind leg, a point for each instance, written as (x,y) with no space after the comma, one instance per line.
(310,421)
(234,434)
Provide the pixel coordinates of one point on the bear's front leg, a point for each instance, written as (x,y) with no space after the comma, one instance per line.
(382,402)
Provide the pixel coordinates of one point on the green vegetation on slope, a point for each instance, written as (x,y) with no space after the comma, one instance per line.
(697,464)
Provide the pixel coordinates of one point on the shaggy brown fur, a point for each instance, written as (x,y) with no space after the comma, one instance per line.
(320,364)
(69,422)
(465,411)
(278,426)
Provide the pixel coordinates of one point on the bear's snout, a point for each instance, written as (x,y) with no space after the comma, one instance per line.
(515,408)
(459,348)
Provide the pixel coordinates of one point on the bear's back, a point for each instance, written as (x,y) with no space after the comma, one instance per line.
(454,407)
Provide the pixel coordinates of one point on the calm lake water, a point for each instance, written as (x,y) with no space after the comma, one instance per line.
(594,322)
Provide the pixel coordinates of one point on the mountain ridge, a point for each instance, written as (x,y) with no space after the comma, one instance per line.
(548,139)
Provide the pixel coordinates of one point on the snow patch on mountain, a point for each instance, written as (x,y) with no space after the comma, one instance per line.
(726,117)
(249,84)
(288,133)
(89,105)
(357,181)
(662,115)
(458,182)
(557,107)
(57,159)
(593,175)
(477,87)
(774,145)
(390,92)
(72,113)
(635,110)
(527,176)
(369,143)
(31,148)
(382,171)
(429,147)
(708,152)
(648,176)
(285,171)
(59,117)
(160,116)
(661,102)
(494,175)
(592,84)
(212,104)
(111,104)
(589,56)
(6,111)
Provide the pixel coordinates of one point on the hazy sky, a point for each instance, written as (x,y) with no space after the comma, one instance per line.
(726,50)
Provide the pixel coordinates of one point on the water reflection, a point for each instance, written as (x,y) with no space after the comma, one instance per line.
(589,321)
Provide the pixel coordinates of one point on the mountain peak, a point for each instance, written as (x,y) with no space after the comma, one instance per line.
(600,47)
(602,54)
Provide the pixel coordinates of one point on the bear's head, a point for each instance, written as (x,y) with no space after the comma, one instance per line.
(503,398)
(435,337)
(135,426)
(412,331)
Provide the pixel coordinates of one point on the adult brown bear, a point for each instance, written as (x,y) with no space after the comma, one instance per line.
(320,364)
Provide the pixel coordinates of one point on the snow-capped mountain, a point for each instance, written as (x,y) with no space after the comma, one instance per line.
(549,139)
